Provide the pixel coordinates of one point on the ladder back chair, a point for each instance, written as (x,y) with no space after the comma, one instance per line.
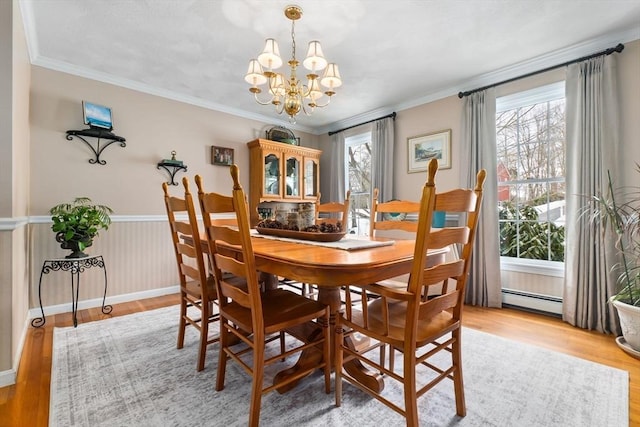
(329,213)
(249,315)
(392,217)
(388,216)
(197,289)
(419,327)
(333,212)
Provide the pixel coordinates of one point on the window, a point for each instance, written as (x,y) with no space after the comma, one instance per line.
(530,142)
(358,173)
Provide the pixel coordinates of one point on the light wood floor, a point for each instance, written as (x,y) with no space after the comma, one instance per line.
(27,402)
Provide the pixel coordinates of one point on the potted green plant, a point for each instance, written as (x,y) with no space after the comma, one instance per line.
(619,212)
(76,224)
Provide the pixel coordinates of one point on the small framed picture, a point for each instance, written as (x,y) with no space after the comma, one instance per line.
(221,156)
(423,148)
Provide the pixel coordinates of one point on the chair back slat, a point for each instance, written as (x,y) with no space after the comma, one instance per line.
(333,212)
(439,304)
(378,209)
(443,237)
(438,273)
(458,200)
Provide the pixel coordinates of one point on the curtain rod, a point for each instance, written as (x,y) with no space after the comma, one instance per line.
(392,115)
(609,51)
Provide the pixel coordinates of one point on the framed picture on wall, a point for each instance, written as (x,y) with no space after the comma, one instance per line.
(221,156)
(423,148)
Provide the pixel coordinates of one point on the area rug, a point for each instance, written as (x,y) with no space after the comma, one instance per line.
(126,371)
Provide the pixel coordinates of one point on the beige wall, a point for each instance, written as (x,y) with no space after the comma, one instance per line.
(153,127)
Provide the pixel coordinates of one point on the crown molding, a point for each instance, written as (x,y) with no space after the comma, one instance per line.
(543,61)
(538,63)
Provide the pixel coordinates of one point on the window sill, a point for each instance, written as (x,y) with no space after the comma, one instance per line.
(532,266)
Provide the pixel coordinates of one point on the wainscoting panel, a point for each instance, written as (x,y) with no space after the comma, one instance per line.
(138,256)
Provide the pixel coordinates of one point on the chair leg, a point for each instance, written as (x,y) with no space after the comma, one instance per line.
(458,383)
(282,345)
(222,354)
(410,392)
(256,386)
(383,349)
(204,336)
(326,350)
(338,362)
(182,324)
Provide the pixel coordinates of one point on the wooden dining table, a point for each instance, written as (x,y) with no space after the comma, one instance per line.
(330,269)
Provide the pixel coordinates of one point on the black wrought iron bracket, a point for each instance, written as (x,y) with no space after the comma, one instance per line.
(98,134)
(172,169)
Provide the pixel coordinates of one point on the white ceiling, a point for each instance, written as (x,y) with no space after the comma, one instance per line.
(392,54)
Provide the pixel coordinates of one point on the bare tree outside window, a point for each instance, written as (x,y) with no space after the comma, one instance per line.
(358,159)
(531,180)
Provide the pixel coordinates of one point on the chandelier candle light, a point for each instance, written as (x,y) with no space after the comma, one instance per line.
(290,94)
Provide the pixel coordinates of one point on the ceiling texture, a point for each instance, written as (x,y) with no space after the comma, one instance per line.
(392,55)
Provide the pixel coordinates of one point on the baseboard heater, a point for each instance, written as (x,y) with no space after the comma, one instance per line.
(532,301)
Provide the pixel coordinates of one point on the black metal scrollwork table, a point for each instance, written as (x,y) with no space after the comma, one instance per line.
(75,266)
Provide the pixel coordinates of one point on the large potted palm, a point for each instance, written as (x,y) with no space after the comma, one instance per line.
(76,224)
(619,212)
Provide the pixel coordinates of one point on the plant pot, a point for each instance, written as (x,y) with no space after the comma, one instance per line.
(74,245)
(629,316)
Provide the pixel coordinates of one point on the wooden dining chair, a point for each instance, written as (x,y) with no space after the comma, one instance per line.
(249,315)
(329,213)
(393,215)
(386,220)
(419,327)
(197,289)
(333,212)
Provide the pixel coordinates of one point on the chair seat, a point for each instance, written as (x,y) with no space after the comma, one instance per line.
(428,329)
(279,307)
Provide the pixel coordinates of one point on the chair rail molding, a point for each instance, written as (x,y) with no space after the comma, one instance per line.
(10,224)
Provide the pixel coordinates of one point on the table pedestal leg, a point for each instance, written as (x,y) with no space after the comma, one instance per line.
(330,297)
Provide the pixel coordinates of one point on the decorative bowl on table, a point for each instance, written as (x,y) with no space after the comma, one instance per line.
(323,232)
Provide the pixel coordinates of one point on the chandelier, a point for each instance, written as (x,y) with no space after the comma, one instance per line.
(288,94)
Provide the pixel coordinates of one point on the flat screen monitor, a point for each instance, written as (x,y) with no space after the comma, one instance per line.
(97,115)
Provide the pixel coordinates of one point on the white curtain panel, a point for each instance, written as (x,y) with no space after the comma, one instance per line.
(336,169)
(477,151)
(592,150)
(382,159)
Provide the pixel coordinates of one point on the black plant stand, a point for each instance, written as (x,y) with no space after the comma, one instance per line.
(75,266)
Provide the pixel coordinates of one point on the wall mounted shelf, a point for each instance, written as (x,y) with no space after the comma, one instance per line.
(96,134)
(172,168)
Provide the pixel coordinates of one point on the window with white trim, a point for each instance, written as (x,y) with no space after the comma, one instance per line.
(530,138)
(358,172)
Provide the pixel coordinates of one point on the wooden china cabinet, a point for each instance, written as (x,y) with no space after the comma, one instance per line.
(281,175)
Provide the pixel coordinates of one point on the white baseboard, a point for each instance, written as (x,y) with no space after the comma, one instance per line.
(532,301)
(7,377)
(97,302)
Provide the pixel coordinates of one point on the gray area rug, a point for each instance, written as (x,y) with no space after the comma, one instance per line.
(126,371)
